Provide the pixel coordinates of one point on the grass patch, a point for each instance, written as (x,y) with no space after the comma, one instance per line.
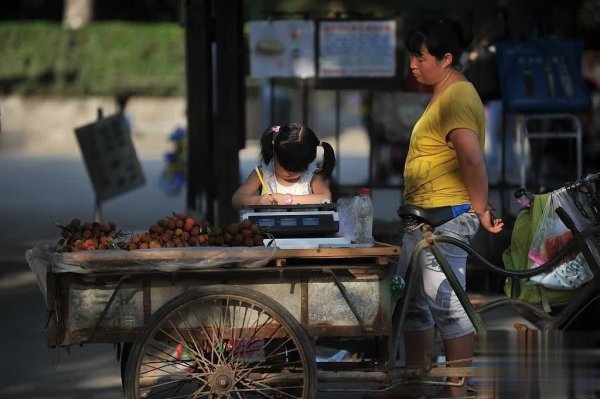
(105,58)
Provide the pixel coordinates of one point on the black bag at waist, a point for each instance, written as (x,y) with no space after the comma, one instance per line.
(414,215)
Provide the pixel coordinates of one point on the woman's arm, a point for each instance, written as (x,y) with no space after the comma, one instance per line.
(246,194)
(471,163)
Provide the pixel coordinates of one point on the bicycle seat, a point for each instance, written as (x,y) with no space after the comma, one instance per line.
(431,216)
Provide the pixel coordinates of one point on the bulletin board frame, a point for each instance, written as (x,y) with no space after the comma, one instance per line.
(373,39)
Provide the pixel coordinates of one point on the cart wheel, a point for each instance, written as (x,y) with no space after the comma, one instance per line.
(221,342)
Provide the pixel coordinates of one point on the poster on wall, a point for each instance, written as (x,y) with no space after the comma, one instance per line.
(282,49)
(357,49)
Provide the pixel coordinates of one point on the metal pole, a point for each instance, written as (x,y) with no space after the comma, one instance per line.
(271,102)
(98,201)
(199,35)
(370,133)
(523,157)
(337,135)
(579,143)
(304,102)
(97,210)
(230,117)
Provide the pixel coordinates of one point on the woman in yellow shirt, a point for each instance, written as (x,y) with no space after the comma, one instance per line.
(445,166)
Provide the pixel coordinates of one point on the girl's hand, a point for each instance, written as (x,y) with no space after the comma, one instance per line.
(266,199)
(280,199)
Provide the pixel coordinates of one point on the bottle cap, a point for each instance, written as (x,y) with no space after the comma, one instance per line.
(365,191)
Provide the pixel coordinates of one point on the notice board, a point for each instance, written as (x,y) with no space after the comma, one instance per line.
(282,49)
(110,156)
(358,54)
(357,49)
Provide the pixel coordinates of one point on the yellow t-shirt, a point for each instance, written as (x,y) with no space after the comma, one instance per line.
(431,174)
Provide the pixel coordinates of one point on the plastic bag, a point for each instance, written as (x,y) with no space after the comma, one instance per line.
(551,235)
(347,215)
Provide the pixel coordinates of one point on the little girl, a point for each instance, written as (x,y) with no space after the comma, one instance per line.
(287,168)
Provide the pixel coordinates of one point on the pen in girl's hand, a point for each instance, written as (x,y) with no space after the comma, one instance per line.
(262,182)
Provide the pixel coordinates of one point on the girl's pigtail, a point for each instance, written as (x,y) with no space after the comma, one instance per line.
(266,145)
(328,160)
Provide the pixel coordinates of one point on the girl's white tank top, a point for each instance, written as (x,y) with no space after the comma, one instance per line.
(301,187)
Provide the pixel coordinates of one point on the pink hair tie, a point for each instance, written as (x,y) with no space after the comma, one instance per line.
(275,129)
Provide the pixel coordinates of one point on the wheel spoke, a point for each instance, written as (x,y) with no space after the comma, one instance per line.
(217,336)
(231,356)
(178,362)
(250,369)
(255,333)
(165,362)
(198,353)
(221,342)
(209,338)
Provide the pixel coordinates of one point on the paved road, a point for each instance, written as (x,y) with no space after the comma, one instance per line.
(29,369)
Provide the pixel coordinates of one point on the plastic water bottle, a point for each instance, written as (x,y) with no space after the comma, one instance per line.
(364,218)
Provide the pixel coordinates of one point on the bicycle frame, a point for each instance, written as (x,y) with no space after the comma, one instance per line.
(585,241)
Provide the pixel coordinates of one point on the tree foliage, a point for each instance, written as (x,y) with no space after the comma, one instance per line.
(104,58)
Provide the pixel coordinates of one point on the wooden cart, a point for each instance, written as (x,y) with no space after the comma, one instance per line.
(226,322)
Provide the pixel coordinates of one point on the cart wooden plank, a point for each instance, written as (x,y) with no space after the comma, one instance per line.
(379,253)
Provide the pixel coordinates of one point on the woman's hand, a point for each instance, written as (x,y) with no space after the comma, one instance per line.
(490,222)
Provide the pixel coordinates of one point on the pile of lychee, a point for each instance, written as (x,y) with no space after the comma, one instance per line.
(177,230)
(77,236)
(173,231)
(244,233)
(180,230)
